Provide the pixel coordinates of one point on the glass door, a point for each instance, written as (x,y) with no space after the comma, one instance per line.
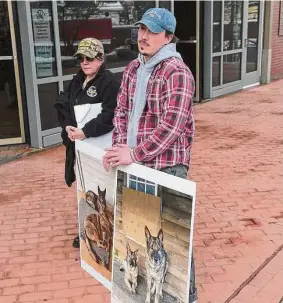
(252,42)
(11,119)
(227,43)
(236,45)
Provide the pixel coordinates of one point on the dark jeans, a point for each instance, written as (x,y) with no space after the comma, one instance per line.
(181,171)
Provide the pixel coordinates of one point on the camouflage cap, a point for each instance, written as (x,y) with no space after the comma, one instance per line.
(90,47)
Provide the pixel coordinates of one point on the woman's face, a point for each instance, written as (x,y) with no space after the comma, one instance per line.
(90,66)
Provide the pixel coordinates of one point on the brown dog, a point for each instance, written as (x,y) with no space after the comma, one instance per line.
(98,228)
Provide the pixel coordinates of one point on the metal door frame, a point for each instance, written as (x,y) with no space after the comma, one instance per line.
(235,85)
(213,92)
(14,57)
(253,78)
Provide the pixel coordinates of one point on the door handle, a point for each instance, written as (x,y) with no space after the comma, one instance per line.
(188,41)
(6,57)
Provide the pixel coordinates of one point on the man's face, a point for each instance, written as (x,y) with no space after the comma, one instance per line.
(150,43)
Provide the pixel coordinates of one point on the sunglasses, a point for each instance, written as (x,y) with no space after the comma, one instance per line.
(82,58)
(98,57)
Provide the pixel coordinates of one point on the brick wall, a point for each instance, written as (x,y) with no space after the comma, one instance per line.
(277,42)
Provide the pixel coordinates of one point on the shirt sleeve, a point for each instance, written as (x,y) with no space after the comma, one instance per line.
(177,109)
(121,113)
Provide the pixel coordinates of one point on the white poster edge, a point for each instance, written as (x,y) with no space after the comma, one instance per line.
(96,275)
(175,183)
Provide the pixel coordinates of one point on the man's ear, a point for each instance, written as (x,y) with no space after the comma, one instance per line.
(169,38)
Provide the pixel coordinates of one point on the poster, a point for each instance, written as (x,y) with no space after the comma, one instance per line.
(149,218)
(153,231)
(42,41)
(95,194)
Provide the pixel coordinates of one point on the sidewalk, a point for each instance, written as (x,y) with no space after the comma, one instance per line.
(237,164)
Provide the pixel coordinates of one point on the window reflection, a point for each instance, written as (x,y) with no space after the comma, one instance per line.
(232,68)
(47,95)
(165,4)
(5,37)
(109,21)
(252,39)
(233,16)
(9,112)
(217,8)
(216,71)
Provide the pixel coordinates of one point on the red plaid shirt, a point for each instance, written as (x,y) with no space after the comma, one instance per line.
(166,126)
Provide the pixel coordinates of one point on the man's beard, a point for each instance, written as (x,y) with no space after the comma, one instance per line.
(142,52)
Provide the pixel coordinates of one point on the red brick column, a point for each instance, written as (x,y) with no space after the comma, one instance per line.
(277,44)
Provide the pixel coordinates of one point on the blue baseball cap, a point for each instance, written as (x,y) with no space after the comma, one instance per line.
(158,20)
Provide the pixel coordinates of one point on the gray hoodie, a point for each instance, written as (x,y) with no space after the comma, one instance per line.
(143,74)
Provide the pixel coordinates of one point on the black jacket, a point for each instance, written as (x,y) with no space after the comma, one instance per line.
(106,85)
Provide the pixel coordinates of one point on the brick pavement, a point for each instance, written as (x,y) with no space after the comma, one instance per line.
(237,163)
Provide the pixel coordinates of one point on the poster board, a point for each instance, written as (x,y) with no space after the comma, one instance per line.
(174,200)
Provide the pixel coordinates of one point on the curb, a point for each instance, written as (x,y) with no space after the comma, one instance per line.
(28,153)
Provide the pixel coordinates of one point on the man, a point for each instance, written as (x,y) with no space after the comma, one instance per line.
(153,122)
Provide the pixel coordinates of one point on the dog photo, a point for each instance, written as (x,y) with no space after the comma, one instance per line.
(153,231)
(95,192)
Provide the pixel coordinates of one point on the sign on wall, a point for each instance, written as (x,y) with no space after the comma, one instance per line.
(42,41)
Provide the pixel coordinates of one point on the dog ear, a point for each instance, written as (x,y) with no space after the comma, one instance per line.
(160,235)
(102,193)
(128,248)
(147,232)
(136,252)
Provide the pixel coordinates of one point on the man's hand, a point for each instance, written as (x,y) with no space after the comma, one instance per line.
(117,155)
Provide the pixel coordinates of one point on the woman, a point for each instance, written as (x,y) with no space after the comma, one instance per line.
(92,84)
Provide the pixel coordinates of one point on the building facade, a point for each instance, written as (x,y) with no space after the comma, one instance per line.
(226,44)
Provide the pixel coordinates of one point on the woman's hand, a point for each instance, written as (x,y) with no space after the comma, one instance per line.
(78,134)
(70,131)
(75,133)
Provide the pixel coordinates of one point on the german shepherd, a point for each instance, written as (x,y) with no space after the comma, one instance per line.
(98,227)
(156,264)
(131,269)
